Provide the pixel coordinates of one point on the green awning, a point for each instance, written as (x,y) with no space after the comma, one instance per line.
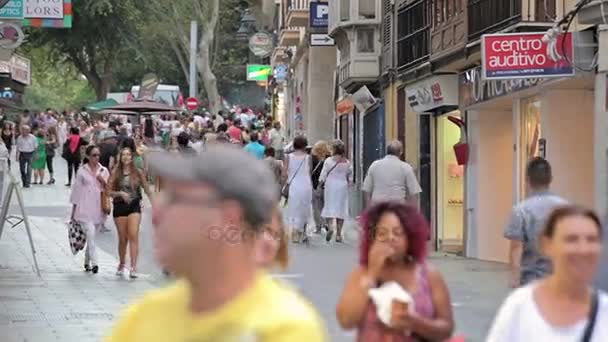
(97,106)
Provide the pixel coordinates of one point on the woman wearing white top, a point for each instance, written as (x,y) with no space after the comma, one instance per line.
(296,171)
(336,175)
(559,307)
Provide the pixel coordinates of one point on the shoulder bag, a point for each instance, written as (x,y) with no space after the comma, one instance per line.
(322,183)
(588,334)
(285,189)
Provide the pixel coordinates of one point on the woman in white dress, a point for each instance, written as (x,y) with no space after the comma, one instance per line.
(296,172)
(336,176)
(62,130)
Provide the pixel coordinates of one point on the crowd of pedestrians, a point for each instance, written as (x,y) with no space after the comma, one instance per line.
(221,184)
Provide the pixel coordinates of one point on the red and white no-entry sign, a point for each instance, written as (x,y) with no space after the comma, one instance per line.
(192,103)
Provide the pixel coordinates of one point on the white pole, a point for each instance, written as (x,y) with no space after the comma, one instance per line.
(193,45)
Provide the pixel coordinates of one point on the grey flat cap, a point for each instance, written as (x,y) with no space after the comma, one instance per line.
(232,172)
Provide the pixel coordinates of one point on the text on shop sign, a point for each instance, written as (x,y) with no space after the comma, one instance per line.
(474,89)
(51,9)
(523,55)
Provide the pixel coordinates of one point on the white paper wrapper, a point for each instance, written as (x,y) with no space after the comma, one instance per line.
(383,297)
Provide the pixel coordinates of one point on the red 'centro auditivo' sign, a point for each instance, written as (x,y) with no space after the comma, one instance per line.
(524,55)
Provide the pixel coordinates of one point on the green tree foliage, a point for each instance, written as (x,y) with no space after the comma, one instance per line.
(56,85)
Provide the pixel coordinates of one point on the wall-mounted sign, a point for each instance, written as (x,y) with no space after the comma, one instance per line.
(18,67)
(280,72)
(261,44)
(473,89)
(344,106)
(257,72)
(435,92)
(44,9)
(524,55)
(321,39)
(11,9)
(12,36)
(48,13)
(319,14)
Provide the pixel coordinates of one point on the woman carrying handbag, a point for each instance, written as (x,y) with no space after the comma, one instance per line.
(298,190)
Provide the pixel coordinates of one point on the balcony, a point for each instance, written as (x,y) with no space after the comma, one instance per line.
(290,36)
(356,72)
(344,14)
(487,16)
(279,55)
(297,13)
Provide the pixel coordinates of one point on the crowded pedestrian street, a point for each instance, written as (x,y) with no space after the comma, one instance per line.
(303,171)
(66,304)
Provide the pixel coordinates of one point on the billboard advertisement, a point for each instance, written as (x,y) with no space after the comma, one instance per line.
(524,55)
(260,73)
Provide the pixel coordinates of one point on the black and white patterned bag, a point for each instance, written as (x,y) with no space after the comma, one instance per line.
(76,236)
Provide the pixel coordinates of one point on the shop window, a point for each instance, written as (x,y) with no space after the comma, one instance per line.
(365,40)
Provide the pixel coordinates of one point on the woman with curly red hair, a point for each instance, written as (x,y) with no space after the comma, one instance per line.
(393,249)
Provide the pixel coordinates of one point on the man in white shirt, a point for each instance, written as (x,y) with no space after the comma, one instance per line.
(26,146)
(277,140)
(391,179)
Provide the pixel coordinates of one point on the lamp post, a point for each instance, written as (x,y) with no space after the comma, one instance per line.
(247,25)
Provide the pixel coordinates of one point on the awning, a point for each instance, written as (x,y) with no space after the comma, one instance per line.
(97,106)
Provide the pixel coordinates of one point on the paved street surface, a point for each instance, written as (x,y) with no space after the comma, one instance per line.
(67,304)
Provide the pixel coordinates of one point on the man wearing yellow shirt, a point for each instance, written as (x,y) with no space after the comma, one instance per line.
(206,220)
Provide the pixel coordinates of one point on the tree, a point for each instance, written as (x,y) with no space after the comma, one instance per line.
(104,33)
(217,52)
(55,85)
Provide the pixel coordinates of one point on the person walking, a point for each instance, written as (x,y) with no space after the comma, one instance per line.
(276,166)
(91,179)
(320,151)
(393,249)
(527,219)
(51,146)
(297,173)
(62,130)
(391,179)
(138,158)
(336,176)
(254,147)
(39,160)
(204,220)
(8,138)
(27,144)
(72,152)
(562,306)
(125,187)
(277,140)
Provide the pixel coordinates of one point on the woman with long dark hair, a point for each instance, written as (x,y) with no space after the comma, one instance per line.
(51,145)
(125,187)
(71,152)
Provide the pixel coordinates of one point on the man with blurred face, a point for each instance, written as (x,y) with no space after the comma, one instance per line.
(206,220)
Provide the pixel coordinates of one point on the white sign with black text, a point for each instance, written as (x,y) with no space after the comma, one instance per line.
(45,9)
(321,39)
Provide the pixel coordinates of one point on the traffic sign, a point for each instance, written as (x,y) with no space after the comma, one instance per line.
(192,103)
(321,39)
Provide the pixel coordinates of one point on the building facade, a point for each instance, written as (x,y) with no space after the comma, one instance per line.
(439,105)
(303,97)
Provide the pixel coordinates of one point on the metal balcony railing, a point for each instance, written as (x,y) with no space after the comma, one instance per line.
(297,5)
(493,15)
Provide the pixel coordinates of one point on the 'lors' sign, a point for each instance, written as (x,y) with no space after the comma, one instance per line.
(524,55)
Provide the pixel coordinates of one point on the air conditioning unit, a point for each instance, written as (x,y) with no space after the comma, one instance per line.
(363,99)
(595,13)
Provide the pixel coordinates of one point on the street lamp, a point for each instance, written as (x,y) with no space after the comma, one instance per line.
(247,25)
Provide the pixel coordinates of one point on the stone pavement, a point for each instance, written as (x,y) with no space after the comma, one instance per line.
(65,304)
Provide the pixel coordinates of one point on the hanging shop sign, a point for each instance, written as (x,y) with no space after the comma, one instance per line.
(280,72)
(257,72)
(524,55)
(19,69)
(261,44)
(473,89)
(435,92)
(11,9)
(319,14)
(344,106)
(47,13)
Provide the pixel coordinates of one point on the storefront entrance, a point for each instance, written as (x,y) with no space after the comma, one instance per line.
(531,140)
(450,186)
